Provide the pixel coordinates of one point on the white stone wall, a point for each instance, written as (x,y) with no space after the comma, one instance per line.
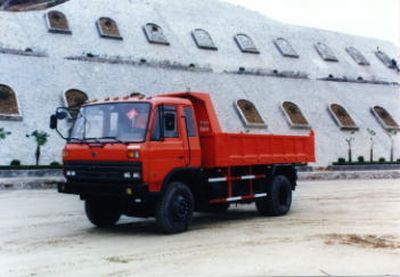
(40,82)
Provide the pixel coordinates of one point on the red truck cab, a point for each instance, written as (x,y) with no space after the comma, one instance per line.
(166,156)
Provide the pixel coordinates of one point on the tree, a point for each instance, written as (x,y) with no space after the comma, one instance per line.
(372,135)
(391,135)
(4,134)
(349,141)
(41,138)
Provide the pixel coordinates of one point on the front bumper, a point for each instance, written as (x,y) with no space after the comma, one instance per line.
(139,191)
(103,179)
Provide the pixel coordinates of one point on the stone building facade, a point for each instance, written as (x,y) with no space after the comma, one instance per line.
(264,76)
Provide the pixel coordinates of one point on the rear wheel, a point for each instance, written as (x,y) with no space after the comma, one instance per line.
(174,211)
(102,212)
(279,198)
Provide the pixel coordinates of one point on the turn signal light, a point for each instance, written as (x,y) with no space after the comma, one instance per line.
(133,154)
(65,153)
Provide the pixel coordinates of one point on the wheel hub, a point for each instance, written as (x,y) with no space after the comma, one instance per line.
(181,208)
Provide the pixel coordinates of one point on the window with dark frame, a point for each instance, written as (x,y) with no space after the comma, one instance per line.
(108,28)
(203,39)
(386,60)
(75,99)
(357,56)
(155,34)
(57,22)
(8,101)
(285,48)
(325,52)
(294,115)
(246,44)
(343,118)
(249,114)
(385,119)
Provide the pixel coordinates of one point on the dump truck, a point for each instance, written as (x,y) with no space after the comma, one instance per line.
(166,156)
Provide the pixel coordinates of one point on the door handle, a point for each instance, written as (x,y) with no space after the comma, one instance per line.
(180,157)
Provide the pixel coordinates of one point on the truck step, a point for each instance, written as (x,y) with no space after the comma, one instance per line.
(238,178)
(238,198)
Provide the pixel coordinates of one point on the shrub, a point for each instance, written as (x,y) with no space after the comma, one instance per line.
(382,160)
(398,161)
(55,164)
(41,139)
(15,163)
(361,159)
(341,161)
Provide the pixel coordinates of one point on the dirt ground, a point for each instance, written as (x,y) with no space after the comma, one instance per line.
(334,228)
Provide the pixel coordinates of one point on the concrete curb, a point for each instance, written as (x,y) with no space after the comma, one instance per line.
(348,175)
(29,183)
(51,181)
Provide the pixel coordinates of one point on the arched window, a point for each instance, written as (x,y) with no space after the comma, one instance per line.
(246,44)
(325,52)
(108,28)
(342,117)
(249,114)
(294,115)
(155,34)
(57,22)
(385,59)
(8,102)
(75,99)
(203,39)
(385,119)
(285,48)
(357,56)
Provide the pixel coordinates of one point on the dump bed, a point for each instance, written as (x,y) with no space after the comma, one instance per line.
(224,150)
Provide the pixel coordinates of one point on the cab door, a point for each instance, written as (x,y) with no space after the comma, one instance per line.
(166,147)
(191,139)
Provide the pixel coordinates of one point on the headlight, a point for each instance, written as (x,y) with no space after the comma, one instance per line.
(70,173)
(136,175)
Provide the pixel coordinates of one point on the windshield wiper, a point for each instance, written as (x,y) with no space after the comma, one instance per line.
(96,140)
(77,139)
(113,138)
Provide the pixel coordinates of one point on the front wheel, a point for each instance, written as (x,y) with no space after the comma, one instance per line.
(102,212)
(174,211)
(279,197)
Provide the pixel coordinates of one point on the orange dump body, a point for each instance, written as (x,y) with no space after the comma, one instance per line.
(229,150)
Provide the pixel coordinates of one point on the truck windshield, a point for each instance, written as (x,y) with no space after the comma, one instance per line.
(119,122)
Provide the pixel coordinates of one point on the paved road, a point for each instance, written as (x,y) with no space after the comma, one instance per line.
(337,228)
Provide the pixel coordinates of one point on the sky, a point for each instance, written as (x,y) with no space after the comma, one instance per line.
(370,18)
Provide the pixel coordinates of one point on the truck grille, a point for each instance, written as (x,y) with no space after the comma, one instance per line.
(102,172)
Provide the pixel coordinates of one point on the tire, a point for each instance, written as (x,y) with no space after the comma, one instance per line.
(279,198)
(174,211)
(102,212)
(216,208)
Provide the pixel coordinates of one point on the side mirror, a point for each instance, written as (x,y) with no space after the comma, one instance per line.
(53,122)
(62,113)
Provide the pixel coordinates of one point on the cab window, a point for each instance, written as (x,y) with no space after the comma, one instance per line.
(190,125)
(170,125)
